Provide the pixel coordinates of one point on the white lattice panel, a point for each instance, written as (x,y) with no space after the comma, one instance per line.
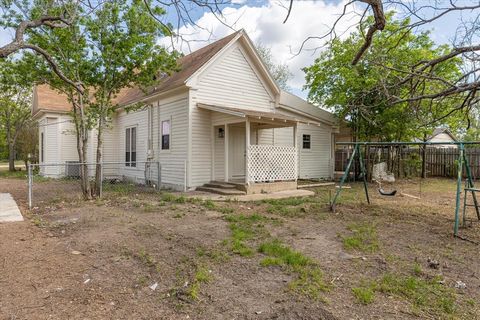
(271,163)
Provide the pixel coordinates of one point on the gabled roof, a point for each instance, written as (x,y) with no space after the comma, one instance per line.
(438,131)
(50,100)
(190,66)
(289,100)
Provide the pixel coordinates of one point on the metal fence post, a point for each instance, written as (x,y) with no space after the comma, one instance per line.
(184,175)
(159,175)
(100,191)
(30,185)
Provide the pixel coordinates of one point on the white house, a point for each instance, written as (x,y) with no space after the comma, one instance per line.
(221,117)
(440,135)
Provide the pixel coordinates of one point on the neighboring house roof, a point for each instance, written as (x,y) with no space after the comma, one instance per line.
(436,132)
(47,99)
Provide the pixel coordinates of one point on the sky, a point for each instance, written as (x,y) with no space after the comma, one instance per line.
(263,22)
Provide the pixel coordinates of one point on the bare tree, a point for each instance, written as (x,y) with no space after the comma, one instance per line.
(421,14)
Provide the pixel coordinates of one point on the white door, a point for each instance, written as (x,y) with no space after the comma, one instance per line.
(236,157)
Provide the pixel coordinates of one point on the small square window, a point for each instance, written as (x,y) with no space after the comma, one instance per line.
(306,142)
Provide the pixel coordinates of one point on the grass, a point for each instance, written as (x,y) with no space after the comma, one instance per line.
(209,204)
(426,295)
(121,188)
(279,254)
(244,228)
(202,275)
(309,280)
(147,259)
(364,238)
(365,293)
(13,174)
(216,256)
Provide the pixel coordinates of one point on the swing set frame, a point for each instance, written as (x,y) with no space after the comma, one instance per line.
(461,162)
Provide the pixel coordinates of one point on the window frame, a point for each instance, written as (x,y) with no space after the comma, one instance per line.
(304,135)
(131,146)
(169,147)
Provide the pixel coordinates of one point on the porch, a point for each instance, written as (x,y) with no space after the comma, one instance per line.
(247,151)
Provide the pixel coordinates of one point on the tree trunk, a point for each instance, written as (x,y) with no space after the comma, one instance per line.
(82,143)
(11,156)
(98,160)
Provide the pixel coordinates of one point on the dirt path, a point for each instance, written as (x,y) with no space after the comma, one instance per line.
(97,260)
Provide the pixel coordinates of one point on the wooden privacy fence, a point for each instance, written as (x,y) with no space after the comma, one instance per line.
(407,161)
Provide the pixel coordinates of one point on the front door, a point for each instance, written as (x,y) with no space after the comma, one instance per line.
(236,157)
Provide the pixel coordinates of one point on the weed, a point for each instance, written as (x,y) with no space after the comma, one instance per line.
(417,269)
(425,294)
(287,201)
(142,280)
(146,258)
(202,275)
(19,174)
(225,210)
(209,204)
(280,254)
(216,256)
(121,188)
(363,238)
(365,293)
(309,279)
(244,228)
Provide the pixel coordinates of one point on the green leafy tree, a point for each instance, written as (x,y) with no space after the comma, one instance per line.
(365,94)
(113,48)
(280,72)
(15,100)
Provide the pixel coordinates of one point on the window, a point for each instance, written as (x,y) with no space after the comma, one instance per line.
(131,147)
(306,141)
(42,147)
(166,135)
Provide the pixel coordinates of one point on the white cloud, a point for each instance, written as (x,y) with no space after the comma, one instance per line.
(265,24)
(239,1)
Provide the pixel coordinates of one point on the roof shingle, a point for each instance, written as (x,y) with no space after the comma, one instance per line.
(47,99)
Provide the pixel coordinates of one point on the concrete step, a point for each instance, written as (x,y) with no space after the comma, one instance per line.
(226,192)
(220,185)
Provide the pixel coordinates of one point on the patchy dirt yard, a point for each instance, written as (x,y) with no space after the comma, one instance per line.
(143,255)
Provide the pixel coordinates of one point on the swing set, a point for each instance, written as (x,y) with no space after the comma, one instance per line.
(462,162)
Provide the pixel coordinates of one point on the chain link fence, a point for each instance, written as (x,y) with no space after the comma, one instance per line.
(54,182)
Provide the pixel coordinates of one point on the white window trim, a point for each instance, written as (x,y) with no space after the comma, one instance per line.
(169,150)
(136,148)
(306,149)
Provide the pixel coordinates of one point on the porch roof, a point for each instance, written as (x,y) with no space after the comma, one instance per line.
(271,116)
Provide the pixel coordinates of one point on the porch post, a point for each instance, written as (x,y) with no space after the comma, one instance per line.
(295,144)
(247,145)
(212,149)
(225,141)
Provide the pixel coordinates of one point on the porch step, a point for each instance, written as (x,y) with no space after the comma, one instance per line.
(221,185)
(223,191)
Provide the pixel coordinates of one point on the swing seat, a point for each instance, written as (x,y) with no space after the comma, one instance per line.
(387,194)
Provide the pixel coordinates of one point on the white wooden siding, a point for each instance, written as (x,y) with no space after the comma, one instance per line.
(276,136)
(201,161)
(231,81)
(317,161)
(174,160)
(124,120)
(219,156)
